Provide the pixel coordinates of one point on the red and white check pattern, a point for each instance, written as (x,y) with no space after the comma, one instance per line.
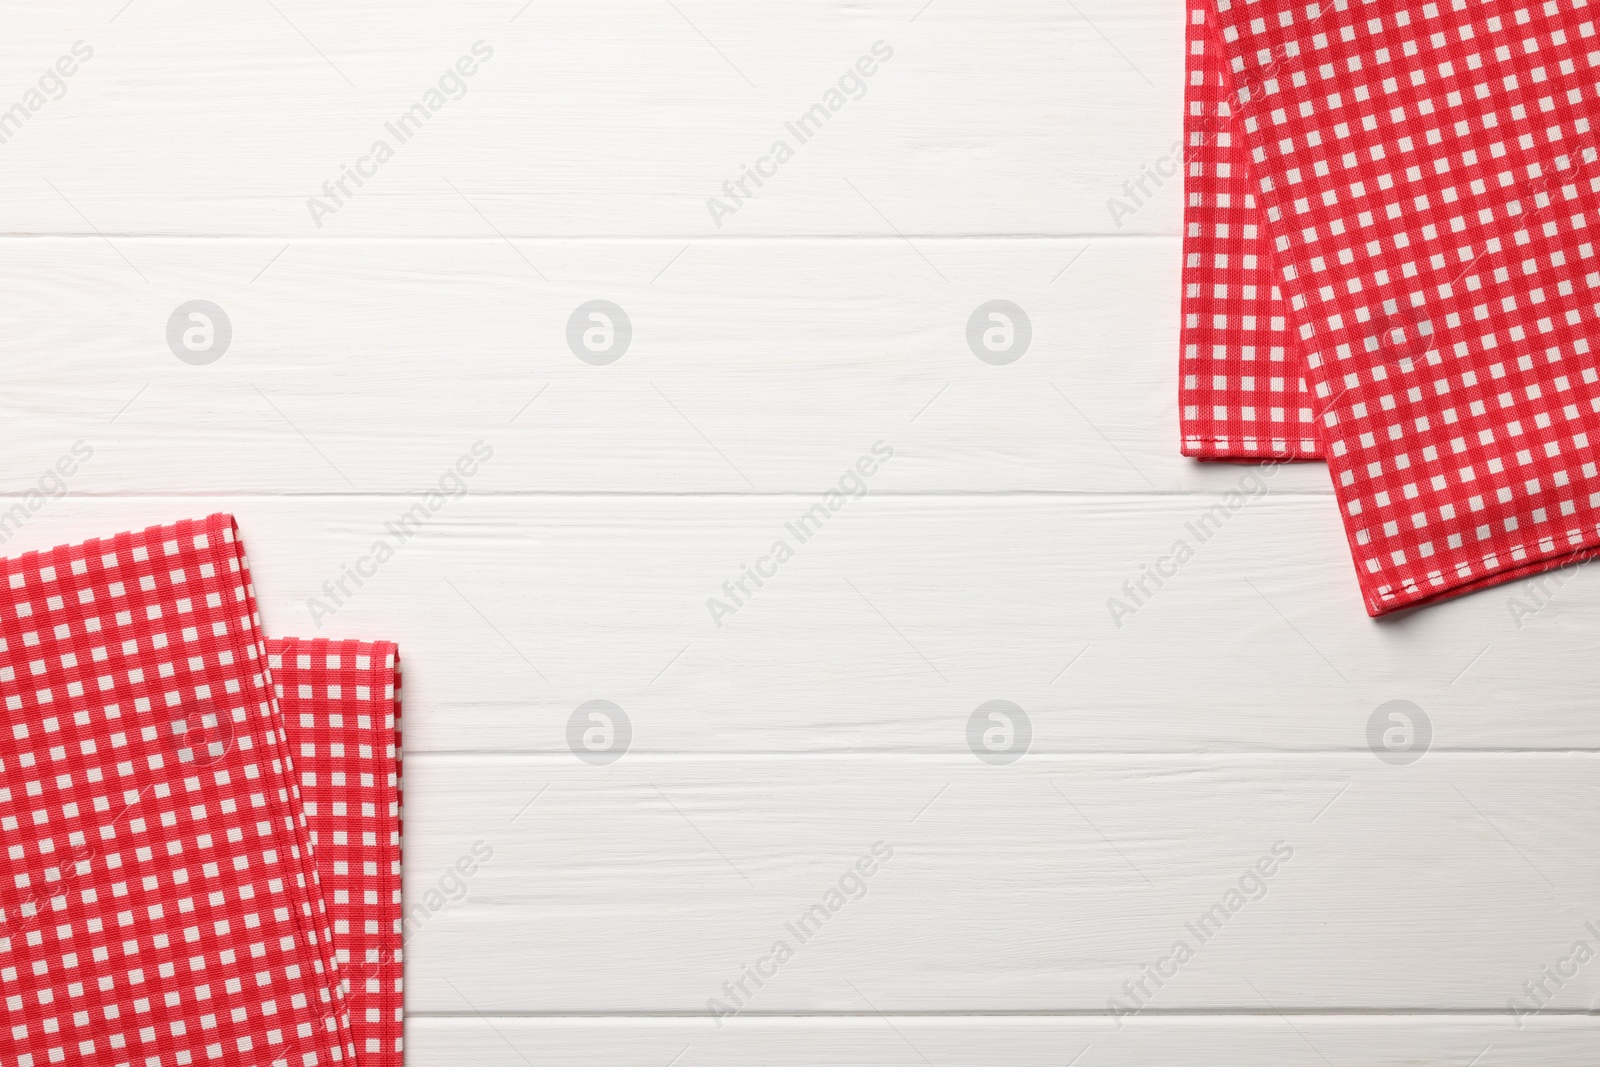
(1243,391)
(159,903)
(341,708)
(1427,176)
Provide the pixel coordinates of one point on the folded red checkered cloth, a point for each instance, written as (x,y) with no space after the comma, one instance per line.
(1419,180)
(201,832)
(1243,392)
(160,905)
(341,709)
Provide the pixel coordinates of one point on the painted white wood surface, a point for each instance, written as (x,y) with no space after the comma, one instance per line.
(757,366)
(596,119)
(894,622)
(1265,1040)
(1001,893)
(831,711)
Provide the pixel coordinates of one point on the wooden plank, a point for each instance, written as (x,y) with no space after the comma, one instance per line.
(609,118)
(755,366)
(894,623)
(1303,1041)
(1317,882)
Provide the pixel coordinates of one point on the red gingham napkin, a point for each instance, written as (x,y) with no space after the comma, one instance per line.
(341,710)
(1243,392)
(159,905)
(1424,177)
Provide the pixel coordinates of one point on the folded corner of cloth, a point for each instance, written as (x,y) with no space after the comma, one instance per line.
(341,709)
(160,813)
(1390,263)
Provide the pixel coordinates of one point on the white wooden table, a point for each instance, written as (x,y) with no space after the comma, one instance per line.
(776,339)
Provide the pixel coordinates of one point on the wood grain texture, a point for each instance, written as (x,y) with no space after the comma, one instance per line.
(594,119)
(894,622)
(1043,886)
(755,366)
(1271,1041)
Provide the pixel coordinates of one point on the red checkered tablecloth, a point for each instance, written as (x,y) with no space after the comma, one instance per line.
(341,708)
(199,841)
(1419,183)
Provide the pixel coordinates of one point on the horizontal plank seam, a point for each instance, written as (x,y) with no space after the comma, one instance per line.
(702,238)
(776,494)
(1064,1013)
(954,756)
